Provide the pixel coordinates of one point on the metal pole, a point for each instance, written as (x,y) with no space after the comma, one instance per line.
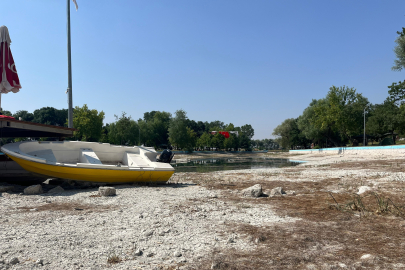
(69,90)
(364,136)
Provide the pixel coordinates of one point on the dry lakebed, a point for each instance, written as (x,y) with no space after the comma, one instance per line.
(336,211)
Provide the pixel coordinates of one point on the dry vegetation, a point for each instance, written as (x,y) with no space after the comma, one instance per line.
(334,230)
(71,207)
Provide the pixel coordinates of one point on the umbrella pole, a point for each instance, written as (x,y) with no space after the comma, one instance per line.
(70,110)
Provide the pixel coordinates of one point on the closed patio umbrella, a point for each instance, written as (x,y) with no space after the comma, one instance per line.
(9,77)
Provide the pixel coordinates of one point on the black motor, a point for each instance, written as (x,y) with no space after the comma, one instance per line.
(166,156)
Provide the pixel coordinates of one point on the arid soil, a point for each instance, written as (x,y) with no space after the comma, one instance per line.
(202,220)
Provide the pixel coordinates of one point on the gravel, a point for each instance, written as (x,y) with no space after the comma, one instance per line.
(143,226)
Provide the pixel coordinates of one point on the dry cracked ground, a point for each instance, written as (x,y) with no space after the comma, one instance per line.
(202,221)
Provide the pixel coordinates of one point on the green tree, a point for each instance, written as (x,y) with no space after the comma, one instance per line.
(232,143)
(218,141)
(399,51)
(248,131)
(88,123)
(25,116)
(286,132)
(178,133)
(124,131)
(6,113)
(158,127)
(51,116)
(204,140)
(306,125)
(385,118)
(191,139)
(397,92)
(340,112)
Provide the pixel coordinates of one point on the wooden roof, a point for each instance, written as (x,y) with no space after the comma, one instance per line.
(16,128)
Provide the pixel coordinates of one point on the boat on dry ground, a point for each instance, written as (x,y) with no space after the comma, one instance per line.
(91,161)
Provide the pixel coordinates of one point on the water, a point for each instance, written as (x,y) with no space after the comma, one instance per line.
(222,164)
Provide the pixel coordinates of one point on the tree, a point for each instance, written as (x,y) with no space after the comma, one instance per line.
(385,118)
(51,116)
(204,140)
(399,51)
(148,116)
(6,113)
(191,139)
(248,131)
(340,112)
(124,131)
(25,116)
(285,132)
(88,122)
(178,133)
(305,123)
(232,142)
(397,91)
(159,126)
(218,141)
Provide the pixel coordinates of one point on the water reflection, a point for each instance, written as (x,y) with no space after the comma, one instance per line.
(221,164)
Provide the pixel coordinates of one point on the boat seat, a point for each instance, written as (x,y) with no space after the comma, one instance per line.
(134,160)
(87,155)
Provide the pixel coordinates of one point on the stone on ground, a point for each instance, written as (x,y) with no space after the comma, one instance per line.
(58,189)
(278,191)
(253,191)
(6,188)
(33,190)
(367,257)
(14,260)
(363,189)
(107,191)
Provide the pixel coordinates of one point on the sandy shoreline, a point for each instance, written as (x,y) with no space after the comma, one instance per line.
(199,221)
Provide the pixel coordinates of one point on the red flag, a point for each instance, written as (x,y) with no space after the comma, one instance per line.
(225,133)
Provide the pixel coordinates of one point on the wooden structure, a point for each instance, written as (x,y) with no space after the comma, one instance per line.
(13,128)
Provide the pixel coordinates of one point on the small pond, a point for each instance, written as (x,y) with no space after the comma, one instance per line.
(222,164)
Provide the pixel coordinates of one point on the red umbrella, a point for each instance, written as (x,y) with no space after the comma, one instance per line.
(9,77)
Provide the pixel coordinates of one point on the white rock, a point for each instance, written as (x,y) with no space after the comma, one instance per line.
(363,189)
(367,257)
(33,190)
(253,191)
(177,254)
(39,261)
(277,191)
(138,252)
(58,189)
(107,191)
(290,192)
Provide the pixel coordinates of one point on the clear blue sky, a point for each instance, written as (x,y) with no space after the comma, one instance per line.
(241,62)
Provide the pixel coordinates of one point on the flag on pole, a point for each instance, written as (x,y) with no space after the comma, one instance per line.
(74,1)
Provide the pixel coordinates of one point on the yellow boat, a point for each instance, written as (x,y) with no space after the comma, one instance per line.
(90,161)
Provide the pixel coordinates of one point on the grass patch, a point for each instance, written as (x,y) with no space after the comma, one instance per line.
(113,259)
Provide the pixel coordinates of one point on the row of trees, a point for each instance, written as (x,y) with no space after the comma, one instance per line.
(338,118)
(157,129)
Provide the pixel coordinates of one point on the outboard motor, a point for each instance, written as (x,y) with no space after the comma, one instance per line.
(166,156)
